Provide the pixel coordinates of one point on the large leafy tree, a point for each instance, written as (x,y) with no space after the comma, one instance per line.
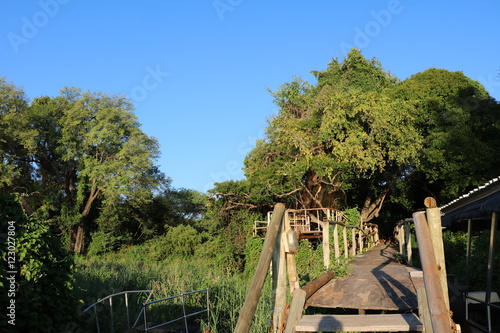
(81,156)
(360,137)
(343,136)
(460,126)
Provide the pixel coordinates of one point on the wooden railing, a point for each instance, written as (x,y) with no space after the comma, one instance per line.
(434,307)
(280,246)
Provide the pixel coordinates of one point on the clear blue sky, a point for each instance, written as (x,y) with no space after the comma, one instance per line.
(198,71)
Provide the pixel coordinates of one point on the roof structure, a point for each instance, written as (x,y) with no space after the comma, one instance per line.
(478,203)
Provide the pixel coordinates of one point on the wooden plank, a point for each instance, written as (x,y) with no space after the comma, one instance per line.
(296,308)
(336,241)
(346,251)
(360,323)
(326,243)
(279,282)
(434,222)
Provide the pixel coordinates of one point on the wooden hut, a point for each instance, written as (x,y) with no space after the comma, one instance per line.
(478,212)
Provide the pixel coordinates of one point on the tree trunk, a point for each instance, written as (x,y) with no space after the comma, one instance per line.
(79,244)
(372,206)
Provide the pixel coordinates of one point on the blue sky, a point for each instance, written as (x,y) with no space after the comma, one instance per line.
(198,71)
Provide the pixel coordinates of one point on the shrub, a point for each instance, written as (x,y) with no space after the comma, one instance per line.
(43,281)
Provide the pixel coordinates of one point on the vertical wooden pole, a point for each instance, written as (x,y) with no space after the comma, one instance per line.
(336,240)
(400,238)
(279,282)
(353,249)
(435,298)
(293,277)
(491,260)
(248,309)
(360,238)
(434,221)
(326,243)
(423,310)
(346,251)
(408,243)
(296,308)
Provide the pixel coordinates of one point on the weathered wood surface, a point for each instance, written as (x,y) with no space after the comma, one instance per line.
(360,323)
(377,282)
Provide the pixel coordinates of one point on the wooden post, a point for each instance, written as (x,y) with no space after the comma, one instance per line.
(293,277)
(435,298)
(346,251)
(423,310)
(326,243)
(279,282)
(401,238)
(248,309)
(296,308)
(336,241)
(360,239)
(408,243)
(491,261)
(434,220)
(353,248)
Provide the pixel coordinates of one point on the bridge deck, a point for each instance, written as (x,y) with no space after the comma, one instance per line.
(377,282)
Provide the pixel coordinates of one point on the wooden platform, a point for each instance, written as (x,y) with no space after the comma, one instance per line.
(359,323)
(377,282)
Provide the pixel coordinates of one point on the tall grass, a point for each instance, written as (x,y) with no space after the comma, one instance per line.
(97,277)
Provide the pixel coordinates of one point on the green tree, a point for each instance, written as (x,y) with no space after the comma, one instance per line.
(14,164)
(342,139)
(361,138)
(81,156)
(459,123)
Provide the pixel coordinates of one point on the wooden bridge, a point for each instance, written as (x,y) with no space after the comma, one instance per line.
(378,283)
(399,298)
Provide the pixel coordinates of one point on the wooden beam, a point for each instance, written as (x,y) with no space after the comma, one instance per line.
(435,298)
(336,241)
(436,231)
(296,308)
(279,282)
(250,305)
(346,250)
(317,283)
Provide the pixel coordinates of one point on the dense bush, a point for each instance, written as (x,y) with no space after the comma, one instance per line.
(43,298)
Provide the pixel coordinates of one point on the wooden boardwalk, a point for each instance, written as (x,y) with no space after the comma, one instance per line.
(377,282)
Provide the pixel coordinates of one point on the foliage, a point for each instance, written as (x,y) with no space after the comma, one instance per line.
(179,242)
(44,281)
(359,137)
(103,242)
(132,268)
(81,157)
(455,246)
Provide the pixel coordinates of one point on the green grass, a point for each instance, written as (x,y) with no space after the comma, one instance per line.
(134,268)
(98,277)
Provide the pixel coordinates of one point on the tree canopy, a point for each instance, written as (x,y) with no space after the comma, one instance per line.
(80,156)
(360,137)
